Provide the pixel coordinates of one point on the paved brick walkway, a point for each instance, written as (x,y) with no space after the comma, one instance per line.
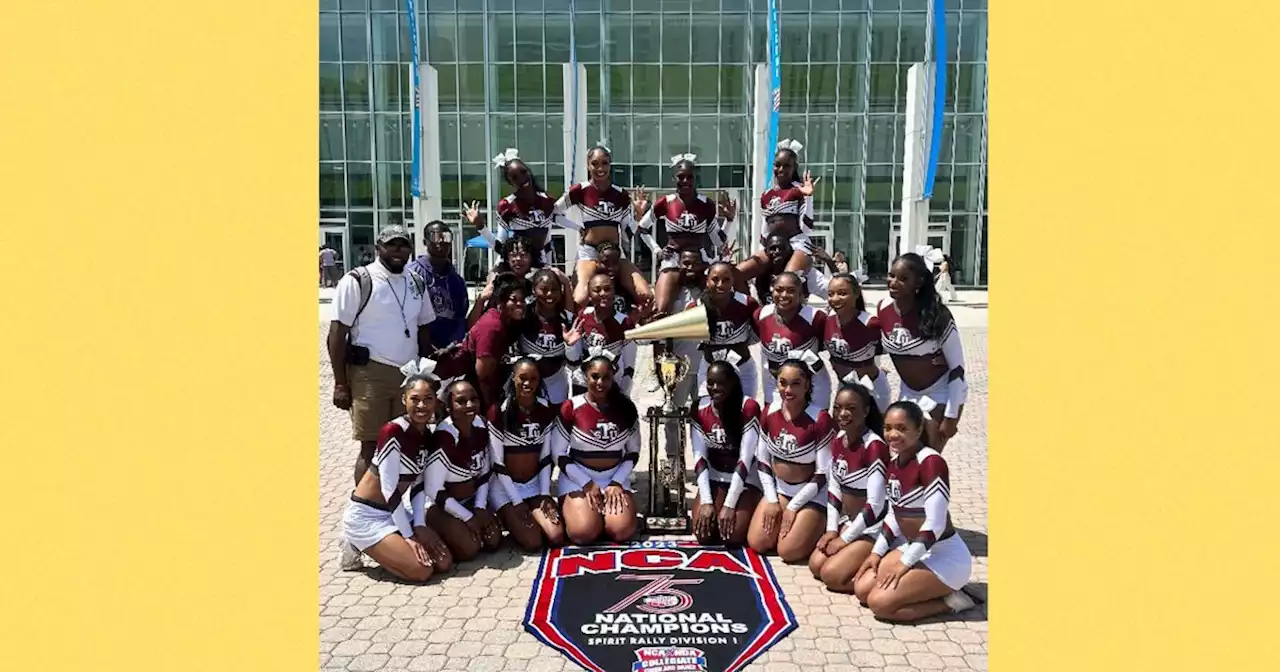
(471,618)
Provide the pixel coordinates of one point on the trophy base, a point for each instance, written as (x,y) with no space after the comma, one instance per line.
(667,525)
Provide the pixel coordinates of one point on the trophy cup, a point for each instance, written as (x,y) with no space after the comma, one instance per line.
(667,513)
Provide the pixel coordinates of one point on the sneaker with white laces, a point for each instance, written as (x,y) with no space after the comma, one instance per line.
(350,558)
(959,601)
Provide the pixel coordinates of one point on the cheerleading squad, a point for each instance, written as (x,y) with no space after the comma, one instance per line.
(827,470)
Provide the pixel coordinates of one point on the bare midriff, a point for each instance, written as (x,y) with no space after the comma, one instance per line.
(463,490)
(920,372)
(370,488)
(599,463)
(793,472)
(785,225)
(521,466)
(852,504)
(687,241)
(599,233)
(910,525)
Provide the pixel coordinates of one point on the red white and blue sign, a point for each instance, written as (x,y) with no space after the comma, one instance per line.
(658,606)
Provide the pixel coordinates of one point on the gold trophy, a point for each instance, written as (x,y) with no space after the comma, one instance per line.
(667,514)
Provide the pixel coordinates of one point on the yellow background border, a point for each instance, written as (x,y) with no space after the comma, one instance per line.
(157,162)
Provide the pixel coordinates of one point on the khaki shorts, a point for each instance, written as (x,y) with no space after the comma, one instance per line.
(376,398)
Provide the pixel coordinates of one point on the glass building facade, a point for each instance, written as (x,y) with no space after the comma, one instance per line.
(663,77)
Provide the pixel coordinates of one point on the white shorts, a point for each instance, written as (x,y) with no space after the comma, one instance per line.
(938,392)
(498,494)
(364,526)
(725,477)
(790,490)
(870,533)
(602,479)
(949,559)
(748,373)
(820,397)
(557,387)
(587,252)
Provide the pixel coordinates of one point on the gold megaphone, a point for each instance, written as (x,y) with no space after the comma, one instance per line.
(691,325)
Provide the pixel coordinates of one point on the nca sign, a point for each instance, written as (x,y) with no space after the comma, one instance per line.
(669,606)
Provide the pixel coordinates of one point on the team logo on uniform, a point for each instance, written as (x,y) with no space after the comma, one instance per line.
(606,431)
(894,489)
(840,469)
(718,436)
(657,606)
(838,346)
(774,203)
(787,443)
(547,341)
(900,336)
(724,329)
(687,221)
(530,430)
(596,339)
(779,345)
(478,460)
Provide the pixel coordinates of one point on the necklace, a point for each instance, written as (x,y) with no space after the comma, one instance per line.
(401,303)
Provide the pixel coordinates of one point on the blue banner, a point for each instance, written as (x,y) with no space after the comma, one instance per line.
(775,92)
(939,9)
(416,126)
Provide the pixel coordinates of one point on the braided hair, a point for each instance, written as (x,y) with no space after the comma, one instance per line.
(934,314)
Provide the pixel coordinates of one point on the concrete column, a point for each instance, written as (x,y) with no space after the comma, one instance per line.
(429,207)
(575,142)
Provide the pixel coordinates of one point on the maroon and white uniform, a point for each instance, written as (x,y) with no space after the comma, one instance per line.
(780,341)
(699,216)
(517,216)
(530,434)
(717,458)
(597,207)
(901,337)
(855,343)
(543,340)
(858,468)
(398,460)
(780,200)
(584,431)
(921,488)
(608,334)
(804,439)
(732,326)
(458,460)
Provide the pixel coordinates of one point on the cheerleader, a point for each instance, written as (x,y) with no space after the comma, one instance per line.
(376,521)
(605,210)
(725,434)
(520,451)
(788,210)
(793,459)
(852,337)
(547,335)
(516,259)
(789,328)
(609,261)
(604,329)
(528,213)
(692,222)
(730,314)
(920,336)
(596,443)
(919,565)
(855,489)
(491,338)
(456,479)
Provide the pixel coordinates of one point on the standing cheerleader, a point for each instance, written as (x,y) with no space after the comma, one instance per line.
(528,213)
(789,328)
(856,489)
(603,329)
(852,337)
(919,564)
(547,336)
(520,450)
(788,211)
(692,222)
(793,459)
(596,443)
(725,434)
(920,336)
(457,477)
(605,210)
(730,314)
(376,521)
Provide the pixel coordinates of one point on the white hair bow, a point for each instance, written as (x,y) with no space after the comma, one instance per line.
(931,255)
(603,146)
(860,275)
(793,145)
(728,357)
(675,160)
(863,381)
(419,367)
(926,405)
(600,351)
(505,157)
(517,356)
(809,357)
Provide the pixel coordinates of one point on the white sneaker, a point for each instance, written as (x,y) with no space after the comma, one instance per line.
(959,601)
(350,559)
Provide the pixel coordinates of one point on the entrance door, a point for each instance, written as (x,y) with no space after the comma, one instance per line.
(937,235)
(334,235)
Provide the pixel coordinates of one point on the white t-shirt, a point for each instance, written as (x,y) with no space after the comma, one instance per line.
(382,325)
